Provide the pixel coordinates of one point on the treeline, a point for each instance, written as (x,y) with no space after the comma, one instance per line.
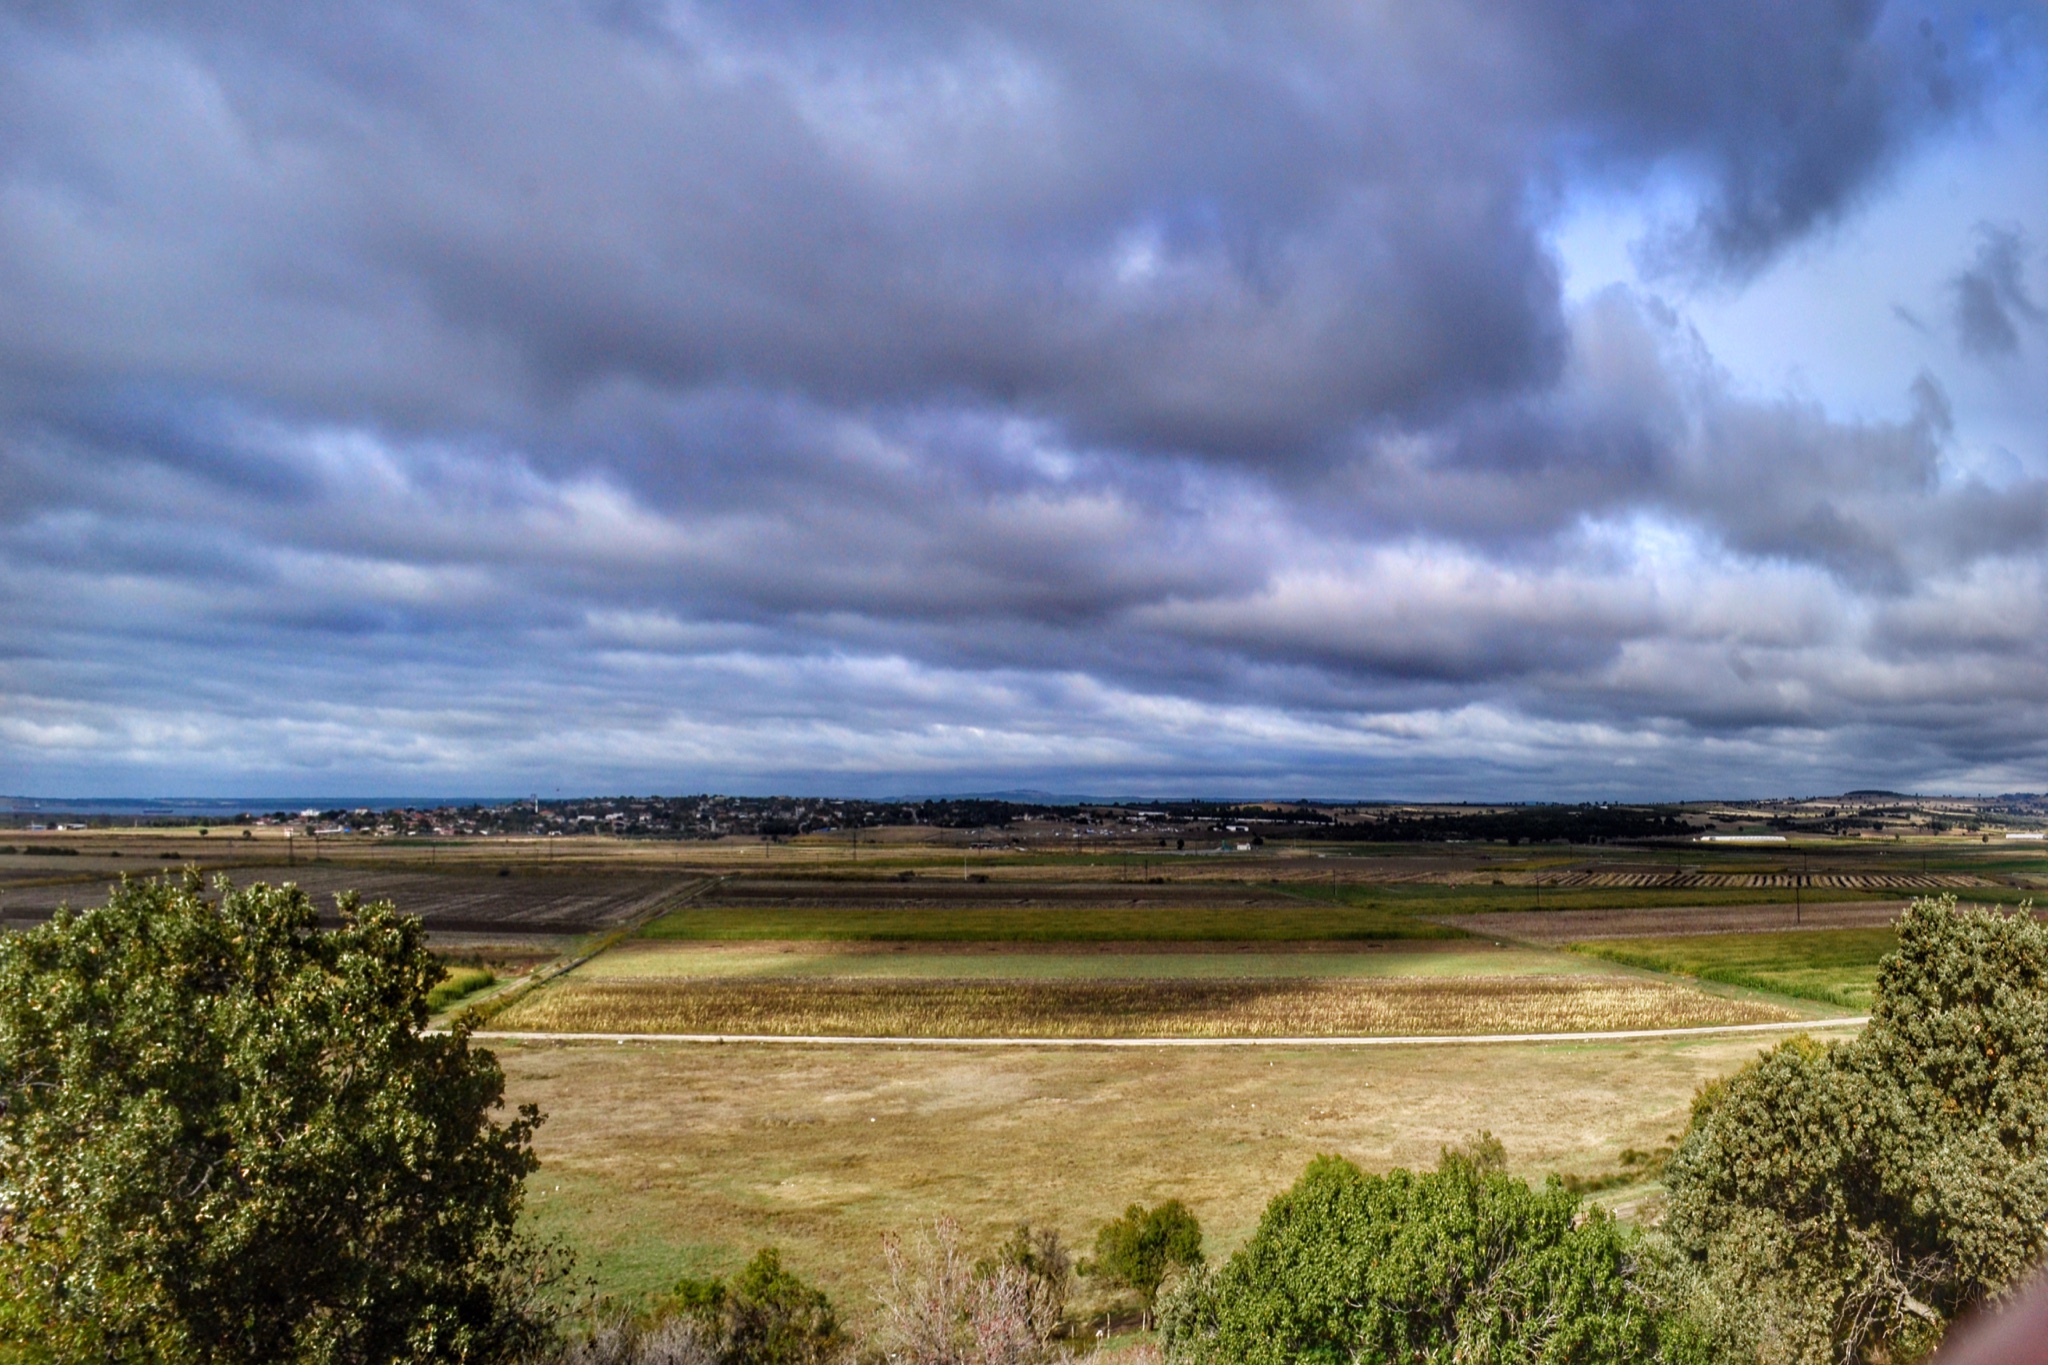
(227,1137)
(1512,825)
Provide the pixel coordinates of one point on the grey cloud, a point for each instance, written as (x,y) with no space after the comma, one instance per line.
(1788,112)
(1990,297)
(1644,419)
(1068,391)
(1230,232)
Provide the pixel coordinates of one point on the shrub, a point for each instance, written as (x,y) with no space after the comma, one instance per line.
(1137,1250)
(1463,1263)
(939,1310)
(225,1137)
(1037,1274)
(765,1316)
(1835,1202)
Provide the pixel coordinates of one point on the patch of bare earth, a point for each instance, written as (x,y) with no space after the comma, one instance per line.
(470,901)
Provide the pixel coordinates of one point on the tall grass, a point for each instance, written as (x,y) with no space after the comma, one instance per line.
(458,983)
(1136,1009)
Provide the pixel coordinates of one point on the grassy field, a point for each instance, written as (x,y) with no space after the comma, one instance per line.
(1470,898)
(660,1160)
(1035,906)
(1838,966)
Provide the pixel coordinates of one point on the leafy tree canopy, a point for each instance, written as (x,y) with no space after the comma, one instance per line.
(1462,1263)
(1844,1201)
(1138,1249)
(225,1137)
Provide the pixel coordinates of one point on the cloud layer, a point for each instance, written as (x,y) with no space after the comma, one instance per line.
(881,398)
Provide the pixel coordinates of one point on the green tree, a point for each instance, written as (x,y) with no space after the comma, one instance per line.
(1137,1250)
(1847,1201)
(1463,1263)
(225,1138)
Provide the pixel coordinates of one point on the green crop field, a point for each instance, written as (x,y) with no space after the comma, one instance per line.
(1290,912)
(1470,898)
(457,983)
(1838,966)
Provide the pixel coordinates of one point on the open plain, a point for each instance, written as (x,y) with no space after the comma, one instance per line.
(662,1159)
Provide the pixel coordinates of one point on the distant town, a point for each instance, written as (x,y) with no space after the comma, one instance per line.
(772,818)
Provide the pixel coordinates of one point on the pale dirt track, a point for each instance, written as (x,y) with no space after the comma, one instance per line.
(1413,1040)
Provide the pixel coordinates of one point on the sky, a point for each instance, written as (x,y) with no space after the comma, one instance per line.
(1487,399)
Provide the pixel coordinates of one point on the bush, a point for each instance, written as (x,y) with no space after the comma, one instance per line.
(1845,1201)
(1463,1263)
(1138,1250)
(937,1310)
(765,1316)
(225,1137)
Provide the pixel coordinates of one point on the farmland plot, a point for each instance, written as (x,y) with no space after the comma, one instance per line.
(1837,966)
(1130,1008)
(467,902)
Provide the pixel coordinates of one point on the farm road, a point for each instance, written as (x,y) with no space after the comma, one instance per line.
(1413,1040)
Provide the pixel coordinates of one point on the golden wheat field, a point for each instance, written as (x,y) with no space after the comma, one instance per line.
(1129,1008)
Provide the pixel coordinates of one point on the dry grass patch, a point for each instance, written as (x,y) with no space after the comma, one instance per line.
(1128,1008)
(639,959)
(665,1159)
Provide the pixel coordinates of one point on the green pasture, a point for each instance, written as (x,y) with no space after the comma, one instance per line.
(1313,912)
(1836,966)
(1427,899)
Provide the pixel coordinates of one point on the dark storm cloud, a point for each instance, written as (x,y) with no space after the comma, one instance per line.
(1180,391)
(1991,300)
(1195,229)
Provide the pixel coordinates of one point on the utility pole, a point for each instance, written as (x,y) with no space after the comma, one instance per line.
(1798,889)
